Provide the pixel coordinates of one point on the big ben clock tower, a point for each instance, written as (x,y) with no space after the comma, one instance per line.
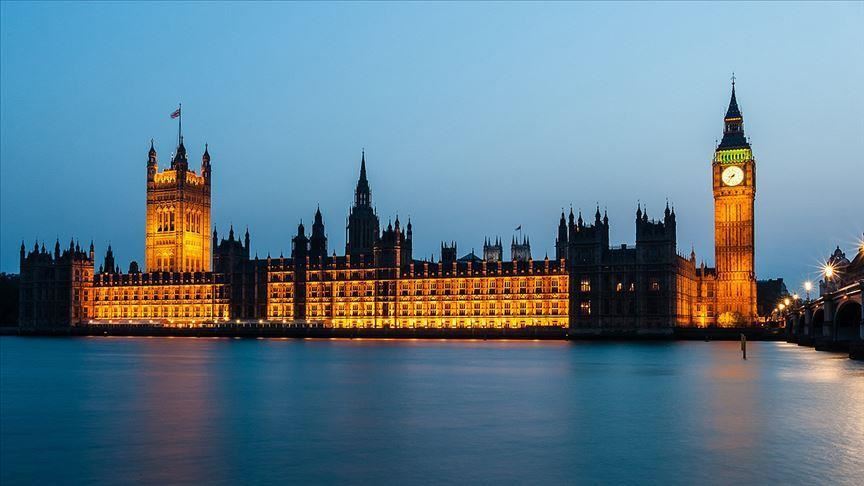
(734,182)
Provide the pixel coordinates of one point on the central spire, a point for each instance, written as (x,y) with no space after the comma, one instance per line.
(362,195)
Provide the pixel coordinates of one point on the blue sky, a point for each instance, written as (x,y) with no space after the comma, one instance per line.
(476,118)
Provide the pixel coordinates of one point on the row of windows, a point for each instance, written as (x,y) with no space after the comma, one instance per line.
(412,323)
(444,287)
(539,308)
(197,293)
(134,311)
(620,286)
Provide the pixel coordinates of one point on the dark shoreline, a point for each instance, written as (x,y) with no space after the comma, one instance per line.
(301,332)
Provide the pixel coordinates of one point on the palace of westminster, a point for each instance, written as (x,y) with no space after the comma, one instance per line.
(191,277)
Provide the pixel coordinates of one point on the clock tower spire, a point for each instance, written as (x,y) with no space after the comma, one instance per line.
(734,184)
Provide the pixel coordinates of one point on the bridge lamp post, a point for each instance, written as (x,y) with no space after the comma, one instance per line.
(808,286)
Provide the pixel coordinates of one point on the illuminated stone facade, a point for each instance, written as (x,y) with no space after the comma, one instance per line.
(734,183)
(159,297)
(178,214)
(590,287)
(436,295)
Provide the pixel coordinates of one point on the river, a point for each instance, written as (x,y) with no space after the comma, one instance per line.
(227,411)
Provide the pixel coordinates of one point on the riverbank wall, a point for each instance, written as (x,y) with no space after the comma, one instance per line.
(271,330)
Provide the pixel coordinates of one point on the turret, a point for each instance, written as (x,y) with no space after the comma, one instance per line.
(300,245)
(448,253)
(493,251)
(180,161)
(520,250)
(205,164)
(152,163)
(109,264)
(246,239)
(669,217)
(408,244)
(318,241)
(561,242)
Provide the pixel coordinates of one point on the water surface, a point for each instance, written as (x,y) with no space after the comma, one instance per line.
(148,410)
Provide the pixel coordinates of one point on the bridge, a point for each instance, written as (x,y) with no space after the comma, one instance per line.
(833,321)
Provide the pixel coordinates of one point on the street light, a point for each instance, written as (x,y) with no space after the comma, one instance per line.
(828,270)
(786,301)
(808,286)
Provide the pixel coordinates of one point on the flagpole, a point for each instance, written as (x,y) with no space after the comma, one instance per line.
(180,125)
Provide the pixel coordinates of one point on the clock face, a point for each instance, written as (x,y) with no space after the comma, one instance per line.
(732,176)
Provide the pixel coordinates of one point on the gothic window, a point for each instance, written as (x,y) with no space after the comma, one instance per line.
(585,285)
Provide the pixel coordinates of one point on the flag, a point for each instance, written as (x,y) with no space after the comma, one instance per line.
(175,114)
(518,228)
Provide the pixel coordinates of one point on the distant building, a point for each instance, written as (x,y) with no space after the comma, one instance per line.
(770,292)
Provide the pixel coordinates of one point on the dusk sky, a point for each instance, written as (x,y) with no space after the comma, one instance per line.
(476,118)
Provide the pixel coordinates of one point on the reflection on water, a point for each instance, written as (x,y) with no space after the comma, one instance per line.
(107,410)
